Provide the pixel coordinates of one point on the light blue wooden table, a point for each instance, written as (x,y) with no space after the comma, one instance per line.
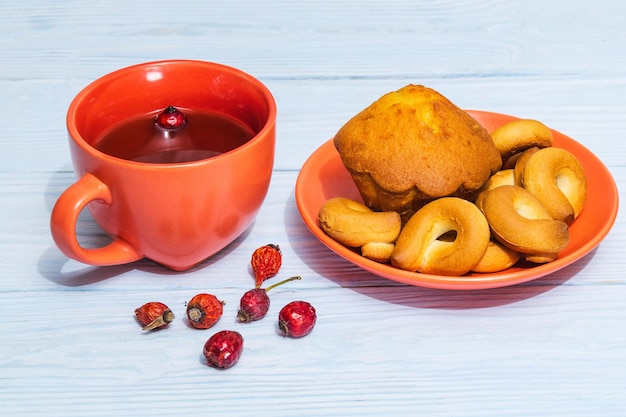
(69,343)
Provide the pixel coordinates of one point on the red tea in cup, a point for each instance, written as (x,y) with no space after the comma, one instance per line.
(206,134)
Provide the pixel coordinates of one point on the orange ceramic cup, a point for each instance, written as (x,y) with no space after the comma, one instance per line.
(176,214)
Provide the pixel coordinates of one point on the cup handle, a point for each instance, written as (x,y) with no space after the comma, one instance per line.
(63,225)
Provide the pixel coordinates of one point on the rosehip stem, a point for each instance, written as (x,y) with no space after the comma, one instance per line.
(162,320)
(297,277)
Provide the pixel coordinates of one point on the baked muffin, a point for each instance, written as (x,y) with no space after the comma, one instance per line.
(412,146)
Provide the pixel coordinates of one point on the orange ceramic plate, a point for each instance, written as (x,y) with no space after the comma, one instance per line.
(323,176)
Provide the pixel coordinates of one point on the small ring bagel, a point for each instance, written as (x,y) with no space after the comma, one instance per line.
(420,246)
(519,221)
(519,135)
(541,258)
(502,177)
(497,258)
(377,251)
(557,179)
(520,163)
(354,224)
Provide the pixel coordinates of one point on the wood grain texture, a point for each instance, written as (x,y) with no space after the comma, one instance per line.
(70,344)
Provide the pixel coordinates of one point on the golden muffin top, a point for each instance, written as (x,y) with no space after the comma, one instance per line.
(414,141)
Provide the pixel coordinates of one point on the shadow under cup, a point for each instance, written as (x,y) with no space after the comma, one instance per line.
(177,214)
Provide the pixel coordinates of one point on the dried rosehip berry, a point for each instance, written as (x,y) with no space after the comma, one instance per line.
(255,303)
(223,349)
(204,310)
(266,261)
(154,315)
(297,319)
(171,119)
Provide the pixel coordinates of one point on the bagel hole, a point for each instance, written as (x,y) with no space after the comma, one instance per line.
(449,236)
(567,182)
(526,210)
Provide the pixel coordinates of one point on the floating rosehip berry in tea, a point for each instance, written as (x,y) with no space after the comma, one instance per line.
(171,119)
(266,262)
(223,349)
(255,303)
(297,319)
(154,315)
(204,310)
